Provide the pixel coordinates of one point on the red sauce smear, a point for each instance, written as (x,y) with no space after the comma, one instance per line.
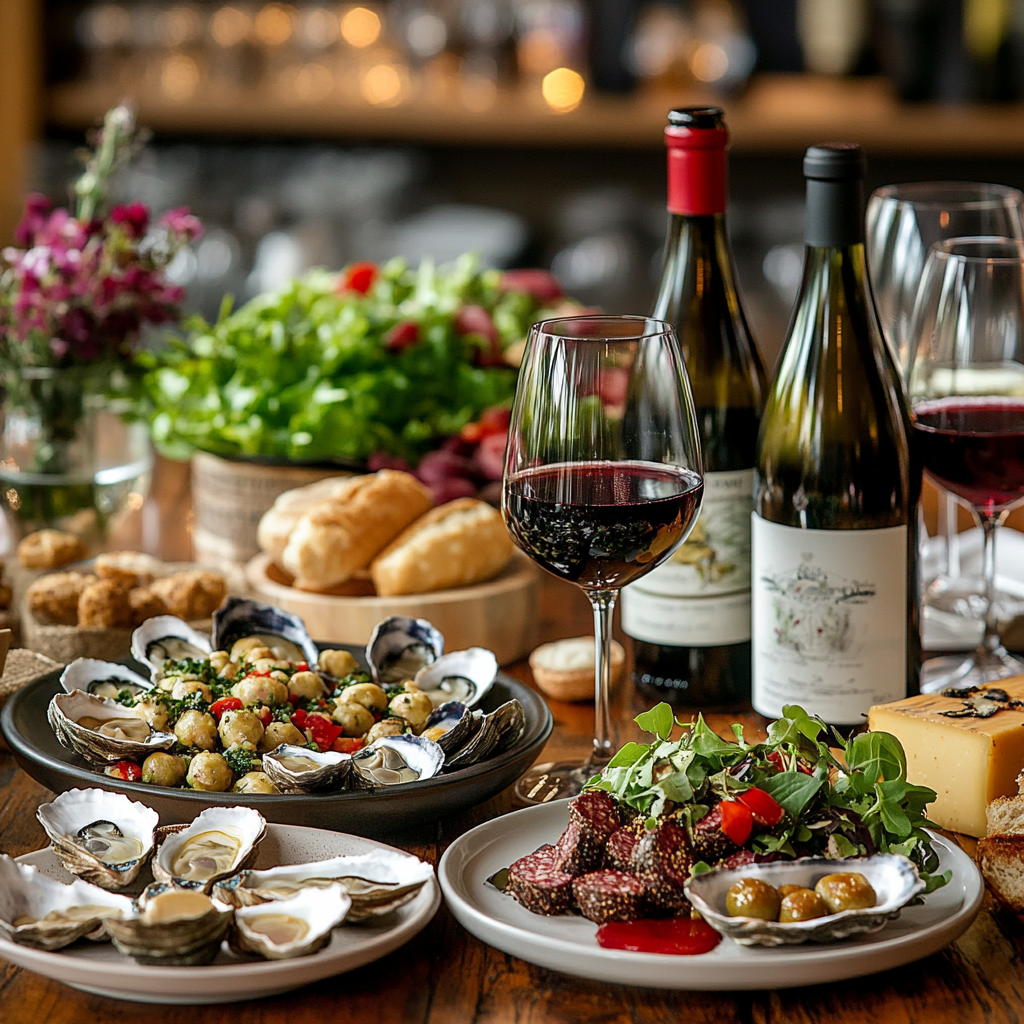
(679,936)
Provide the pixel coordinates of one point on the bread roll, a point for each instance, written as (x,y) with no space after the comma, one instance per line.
(279,520)
(564,669)
(338,536)
(453,545)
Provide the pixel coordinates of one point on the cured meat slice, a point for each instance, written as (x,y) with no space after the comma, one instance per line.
(595,813)
(618,851)
(609,896)
(578,851)
(741,858)
(662,861)
(710,843)
(537,884)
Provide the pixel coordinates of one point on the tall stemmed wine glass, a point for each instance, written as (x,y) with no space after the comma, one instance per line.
(966,387)
(603,479)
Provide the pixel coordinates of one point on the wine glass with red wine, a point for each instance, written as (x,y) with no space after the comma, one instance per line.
(603,479)
(966,386)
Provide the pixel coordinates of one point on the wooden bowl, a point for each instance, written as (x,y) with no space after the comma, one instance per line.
(499,614)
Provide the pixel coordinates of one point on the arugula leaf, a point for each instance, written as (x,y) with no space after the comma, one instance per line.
(877,755)
(628,755)
(659,720)
(793,790)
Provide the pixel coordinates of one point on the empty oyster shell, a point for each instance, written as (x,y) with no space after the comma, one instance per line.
(170,926)
(167,638)
(377,882)
(102,837)
(297,926)
(399,647)
(218,843)
(102,678)
(297,769)
(285,634)
(103,731)
(451,726)
(498,731)
(895,880)
(464,676)
(393,760)
(40,912)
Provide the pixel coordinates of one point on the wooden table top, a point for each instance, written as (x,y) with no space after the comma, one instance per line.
(445,975)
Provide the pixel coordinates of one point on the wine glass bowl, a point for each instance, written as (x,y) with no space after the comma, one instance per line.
(603,477)
(966,387)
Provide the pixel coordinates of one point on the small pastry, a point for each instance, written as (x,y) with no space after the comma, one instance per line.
(564,669)
(50,549)
(53,599)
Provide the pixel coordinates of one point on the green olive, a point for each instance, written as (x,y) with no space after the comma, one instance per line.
(750,897)
(846,890)
(801,905)
(785,890)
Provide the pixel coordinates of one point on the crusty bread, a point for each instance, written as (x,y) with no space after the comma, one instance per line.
(564,669)
(454,545)
(1001,859)
(1005,815)
(339,535)
(279,520)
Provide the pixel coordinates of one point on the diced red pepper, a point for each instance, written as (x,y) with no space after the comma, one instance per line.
(299,717)
(737,821)
(763,806)
(218,707)
(359,278)
(265,715)
(127,771)
(348,744)
(322,730)
(302,667)
(402,335)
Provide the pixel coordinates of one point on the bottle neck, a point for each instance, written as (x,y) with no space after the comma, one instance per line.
(835,214)
(697,180)
(698,259)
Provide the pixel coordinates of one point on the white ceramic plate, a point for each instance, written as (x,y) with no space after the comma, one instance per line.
(569,944)
(99,968)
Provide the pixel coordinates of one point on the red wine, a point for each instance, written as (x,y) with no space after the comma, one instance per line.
(974,447)
(601,524)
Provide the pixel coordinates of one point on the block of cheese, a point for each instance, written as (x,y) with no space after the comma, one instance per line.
(967,761)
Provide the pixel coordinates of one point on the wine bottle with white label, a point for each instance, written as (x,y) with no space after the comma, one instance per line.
(834,496)
(690,618)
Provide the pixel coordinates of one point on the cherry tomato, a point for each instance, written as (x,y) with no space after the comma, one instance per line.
(359,278)
(402,335)
(218,707)
(737,821)
(348,745)
(764,807)
(127,771)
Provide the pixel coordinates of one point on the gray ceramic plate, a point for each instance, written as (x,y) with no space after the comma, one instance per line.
(381,812)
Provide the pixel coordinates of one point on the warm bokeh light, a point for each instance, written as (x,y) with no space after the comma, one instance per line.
(709,62)
(360,27)
(478,93)
(318,28)
(563,89)
(108,25)
(179,77)
(230,26)
(538,52)
(274,24)
(383,85)
(312,83)
(179,25)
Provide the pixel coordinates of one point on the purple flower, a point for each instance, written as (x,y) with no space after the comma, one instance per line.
(133,218)
(181,222)
(37,209)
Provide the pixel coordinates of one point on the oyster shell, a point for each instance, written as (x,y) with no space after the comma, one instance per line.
(285,634)
(103,731)
(464,676)
(171,926)
(218,843)
(297,926)
(102,837)
(297,769)
(498,731)
(167,638)
(46,914)
(393,760)
(451,726)
(399,647)
(377,882)
(894,878)
(102,678)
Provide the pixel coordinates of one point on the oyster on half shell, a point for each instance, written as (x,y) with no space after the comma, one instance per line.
(102,837)
(285,634)
(498,731)
(167,638)
(463,676)
(400,646)
(102,678)
(297,926)
(393,760)
(43,913)
(295,769)
(102,730)
(218,843)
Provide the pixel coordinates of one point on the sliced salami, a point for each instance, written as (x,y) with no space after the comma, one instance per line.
(741,858)
(662,861)
(618,851)
(596,814)
(578,851)
(609,896)
(538,885)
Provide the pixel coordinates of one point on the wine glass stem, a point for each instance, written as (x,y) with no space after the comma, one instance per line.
(603,602)
(990,522)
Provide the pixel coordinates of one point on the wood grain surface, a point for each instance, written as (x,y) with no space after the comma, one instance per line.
(445,976)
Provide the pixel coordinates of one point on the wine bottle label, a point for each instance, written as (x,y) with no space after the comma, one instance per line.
(829,619)
(701,595)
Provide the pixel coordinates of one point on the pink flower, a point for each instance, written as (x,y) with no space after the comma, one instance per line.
(37,209)
(133,218)
(182,222)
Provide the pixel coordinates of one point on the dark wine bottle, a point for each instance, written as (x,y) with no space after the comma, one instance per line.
(835,499)
(690,618)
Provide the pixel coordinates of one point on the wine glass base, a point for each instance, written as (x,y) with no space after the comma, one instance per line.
(552,781)
(964,596)
(958,671)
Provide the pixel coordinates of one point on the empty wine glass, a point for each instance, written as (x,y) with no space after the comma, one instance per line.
(603,479)
(966,386)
